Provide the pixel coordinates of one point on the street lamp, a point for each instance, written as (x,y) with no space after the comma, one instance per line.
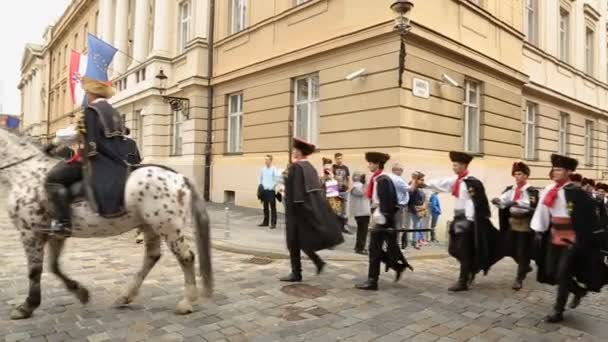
(402,27)
(177,103)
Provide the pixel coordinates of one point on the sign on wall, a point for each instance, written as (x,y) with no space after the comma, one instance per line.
(421,88)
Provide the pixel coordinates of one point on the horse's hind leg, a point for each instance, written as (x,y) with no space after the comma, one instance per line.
(34,251)
(180,248)
(152,255)
(55,249)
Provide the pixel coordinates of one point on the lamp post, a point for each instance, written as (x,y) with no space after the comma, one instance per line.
(402,27)
(177,103)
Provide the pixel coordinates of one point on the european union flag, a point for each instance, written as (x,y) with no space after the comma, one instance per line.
(99,58)
(12,122)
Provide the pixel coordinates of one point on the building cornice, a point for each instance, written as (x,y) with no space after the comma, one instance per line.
(540,90)
(491,17)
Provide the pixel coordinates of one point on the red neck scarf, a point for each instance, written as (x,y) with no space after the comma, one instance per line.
(456,186)
(370,186)
(518,189)
(551,196)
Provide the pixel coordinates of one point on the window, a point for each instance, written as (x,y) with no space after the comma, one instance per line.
(564,34)
(588,142)
(130,27)
(176,133)
(96,24)
(299,2)
(239,14)
(471,117)
(138,135)
(530,131)
(84,35)
(59,62)
(306,114)
(184,24)
(75,41)
(562,139)
(142,73)
(235,123)
(65,55)
(589,51)
(531,21)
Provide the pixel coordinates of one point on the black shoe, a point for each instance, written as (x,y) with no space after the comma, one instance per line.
(361,251)
(459,287)
(517,285)
(576,301)
(61,229)
(555,317)
(398,274)
(292,278)
(321,267)
(263,224)
(273,226)
(369,285)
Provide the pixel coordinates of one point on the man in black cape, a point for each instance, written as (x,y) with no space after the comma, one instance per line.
(600,201)
(102,168)
(516,207)
(474,241)
(311,225)
(385,209)
(568,253)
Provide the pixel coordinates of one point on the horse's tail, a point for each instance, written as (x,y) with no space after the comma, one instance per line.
(202,233)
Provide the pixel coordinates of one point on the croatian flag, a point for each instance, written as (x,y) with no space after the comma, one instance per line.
(78,66)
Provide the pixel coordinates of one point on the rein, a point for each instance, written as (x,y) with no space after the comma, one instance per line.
(17,162)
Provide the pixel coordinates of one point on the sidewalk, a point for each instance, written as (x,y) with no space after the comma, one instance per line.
(244,236)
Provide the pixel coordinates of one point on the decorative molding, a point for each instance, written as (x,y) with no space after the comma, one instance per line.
(591,12)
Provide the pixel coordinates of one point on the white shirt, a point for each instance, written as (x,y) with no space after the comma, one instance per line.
(541,221)
(524,200)
(463,202)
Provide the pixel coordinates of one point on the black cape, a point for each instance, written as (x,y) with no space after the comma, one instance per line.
(507,236)
(308,215)
(587,257)
(486,236)
(105,169)
(130,152)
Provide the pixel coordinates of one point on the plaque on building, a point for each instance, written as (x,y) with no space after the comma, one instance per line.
(421,88)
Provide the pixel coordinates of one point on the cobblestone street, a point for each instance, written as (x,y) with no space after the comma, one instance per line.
(251,305)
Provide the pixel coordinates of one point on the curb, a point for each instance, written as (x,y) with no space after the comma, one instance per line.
(272,254)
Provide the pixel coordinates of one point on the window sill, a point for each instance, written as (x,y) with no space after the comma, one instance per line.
(228,154)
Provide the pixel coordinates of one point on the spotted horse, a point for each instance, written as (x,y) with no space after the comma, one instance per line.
(158,200)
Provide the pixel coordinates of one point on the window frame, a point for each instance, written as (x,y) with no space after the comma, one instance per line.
(589,126)
(234,24)
(239,114)
(529,127)
(177,123)
(564,34)
(468,104)
(531,32)
(184,24)
(562,133)
(589,50)
(312,129)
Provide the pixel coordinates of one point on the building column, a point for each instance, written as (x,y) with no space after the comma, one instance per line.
(121,37)
(141,31)
(106,17)
(163,13)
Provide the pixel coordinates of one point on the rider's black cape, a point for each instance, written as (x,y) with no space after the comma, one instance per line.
(105,169)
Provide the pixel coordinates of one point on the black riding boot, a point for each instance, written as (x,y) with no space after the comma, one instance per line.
(59,198)
(462,284)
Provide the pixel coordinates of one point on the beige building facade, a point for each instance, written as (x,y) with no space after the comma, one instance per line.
(505,80)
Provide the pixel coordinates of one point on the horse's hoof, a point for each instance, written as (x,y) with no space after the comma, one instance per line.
(122,301)
(83,295)
(184,307)
(20,313)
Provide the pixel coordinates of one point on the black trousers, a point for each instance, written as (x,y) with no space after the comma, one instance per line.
(523,243)
(269,200)
(562,257)
(392,257)
(57,184)
(362,229)
(295,257)
(65,174)
(462,247)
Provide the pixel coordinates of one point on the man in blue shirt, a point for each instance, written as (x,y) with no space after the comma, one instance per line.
(269,175)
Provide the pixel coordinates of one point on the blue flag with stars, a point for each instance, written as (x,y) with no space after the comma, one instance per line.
(99,58)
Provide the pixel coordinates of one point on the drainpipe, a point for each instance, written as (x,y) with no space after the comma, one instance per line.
(210,94)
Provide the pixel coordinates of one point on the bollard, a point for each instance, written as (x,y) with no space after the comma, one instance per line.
(227,230)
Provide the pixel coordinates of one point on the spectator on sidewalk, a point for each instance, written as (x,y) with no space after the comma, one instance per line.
(360,209)
(435,210)
(403,196)
(269,175)
(342,175)
(332,192)
(416,209)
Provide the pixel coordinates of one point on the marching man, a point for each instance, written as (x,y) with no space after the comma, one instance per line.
(517,204)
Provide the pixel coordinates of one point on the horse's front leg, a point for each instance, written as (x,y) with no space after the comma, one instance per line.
(34,252)
(55,249)
(152,255)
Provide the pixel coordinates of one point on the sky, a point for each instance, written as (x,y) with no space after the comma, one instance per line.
(21,22)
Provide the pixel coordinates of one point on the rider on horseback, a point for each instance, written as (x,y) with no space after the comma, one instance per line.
(101,165)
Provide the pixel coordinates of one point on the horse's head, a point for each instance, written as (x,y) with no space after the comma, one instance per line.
(14,148)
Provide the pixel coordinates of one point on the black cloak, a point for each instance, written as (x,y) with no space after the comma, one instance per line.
(308,215)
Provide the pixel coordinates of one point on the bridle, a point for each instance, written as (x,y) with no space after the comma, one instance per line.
(17,162)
